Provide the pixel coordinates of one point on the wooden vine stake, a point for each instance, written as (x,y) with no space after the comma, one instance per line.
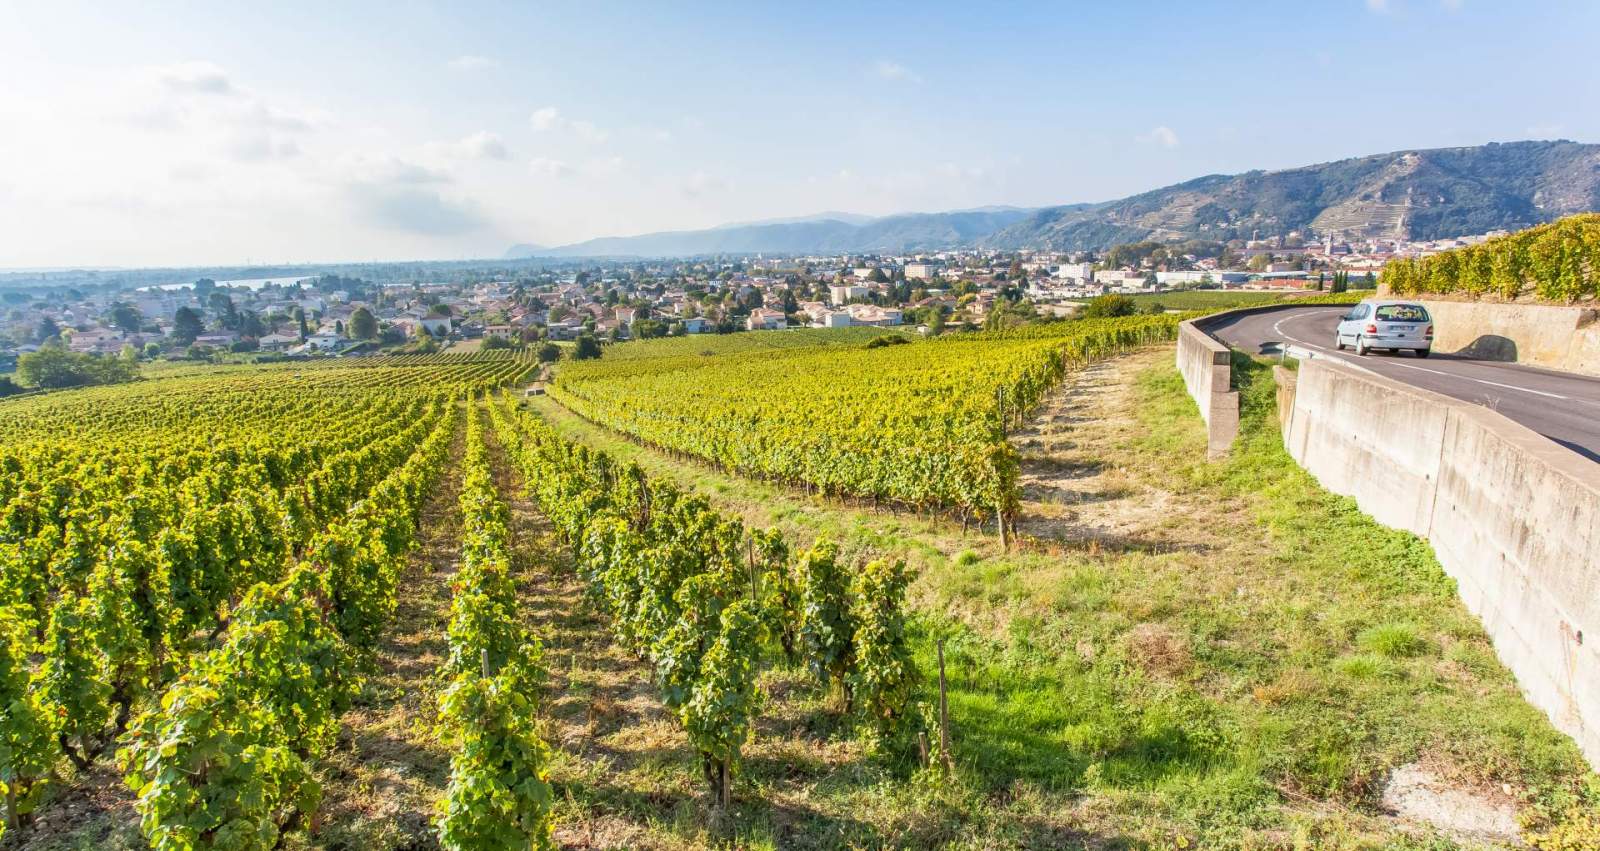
(944,714)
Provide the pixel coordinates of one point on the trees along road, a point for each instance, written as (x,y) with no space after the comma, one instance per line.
(1562,406)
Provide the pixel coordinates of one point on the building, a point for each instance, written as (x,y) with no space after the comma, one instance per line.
(438,326)
(696,325)
(762,319)
(869,314)
(842,293)
(503,332)
(326,340)
(832,319)
(922,271)
(1075,271)
(278,342)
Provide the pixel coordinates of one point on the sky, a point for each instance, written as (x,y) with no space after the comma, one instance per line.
(157,134)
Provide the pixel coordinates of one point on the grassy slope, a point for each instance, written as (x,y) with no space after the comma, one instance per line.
(1248,691)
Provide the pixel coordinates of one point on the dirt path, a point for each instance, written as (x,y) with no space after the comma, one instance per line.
(386,775)
(1072,490)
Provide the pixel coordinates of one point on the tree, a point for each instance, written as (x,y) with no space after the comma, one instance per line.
(48,329)
(222,305)
(53,367)
(250,324)
(1106,306)
(126,317)
(588,348)
(186,326)
(363,325)
(549,353)
(439,310)
(644,329)
(492,343)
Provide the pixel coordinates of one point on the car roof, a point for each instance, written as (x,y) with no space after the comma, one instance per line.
(1383,301)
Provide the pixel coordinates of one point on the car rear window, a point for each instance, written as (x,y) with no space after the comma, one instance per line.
(1402,313)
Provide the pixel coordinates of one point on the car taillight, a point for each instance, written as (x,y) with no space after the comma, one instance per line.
(1428,332)
(1372,329)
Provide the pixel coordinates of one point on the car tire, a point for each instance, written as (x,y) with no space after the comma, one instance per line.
(1422,353)
(1361,347)
(1338,342)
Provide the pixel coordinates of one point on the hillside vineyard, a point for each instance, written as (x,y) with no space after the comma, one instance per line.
(201,563)
(921,425)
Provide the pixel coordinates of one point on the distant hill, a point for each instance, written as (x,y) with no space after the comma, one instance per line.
(524,249)
(1422,194)
(890,234)
(1425,194)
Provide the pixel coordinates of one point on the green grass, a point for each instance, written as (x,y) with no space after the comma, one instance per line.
(1251,688)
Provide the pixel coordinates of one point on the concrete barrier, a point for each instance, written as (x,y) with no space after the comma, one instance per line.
(1552,336)
(1513,518)
(1207,370)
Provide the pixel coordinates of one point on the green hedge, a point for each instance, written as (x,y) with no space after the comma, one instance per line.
(1559,261)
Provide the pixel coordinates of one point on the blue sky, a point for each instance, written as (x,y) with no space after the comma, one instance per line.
(286,132)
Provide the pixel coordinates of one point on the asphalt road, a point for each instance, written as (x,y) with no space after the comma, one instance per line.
(1559,405)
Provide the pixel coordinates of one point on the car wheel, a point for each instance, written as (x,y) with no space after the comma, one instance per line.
(1338,342)
(1422,353)
(1361,346)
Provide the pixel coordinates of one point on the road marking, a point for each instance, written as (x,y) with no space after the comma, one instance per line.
(1277,327)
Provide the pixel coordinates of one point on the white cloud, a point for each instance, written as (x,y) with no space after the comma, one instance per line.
(398,195)
(661,134)
(546,167)
(701,183)
(197,78)
(606,166)
(1162,135)
(545,119)
(1380,7)
(890,70)
(481,145)
(261,147)
(413,210)
(470,62)
(550,118)
(390,170)
(1451,5)
(588,132)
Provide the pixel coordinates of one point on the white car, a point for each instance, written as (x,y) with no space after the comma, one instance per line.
(1385,324)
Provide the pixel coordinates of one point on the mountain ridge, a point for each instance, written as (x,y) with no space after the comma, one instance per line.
(1418,194)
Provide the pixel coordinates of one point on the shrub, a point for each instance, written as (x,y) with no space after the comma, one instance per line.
(1394,640)
(1558,261)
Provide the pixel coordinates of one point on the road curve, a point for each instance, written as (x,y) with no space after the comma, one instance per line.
(1561,406)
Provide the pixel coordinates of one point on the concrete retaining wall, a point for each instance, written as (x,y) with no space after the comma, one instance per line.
(1208,373)
(1512,516)
(1564,338)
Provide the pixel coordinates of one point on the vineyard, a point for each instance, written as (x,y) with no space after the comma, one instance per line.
(194,570)
(1559,262)
(198,570)
(920,425)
